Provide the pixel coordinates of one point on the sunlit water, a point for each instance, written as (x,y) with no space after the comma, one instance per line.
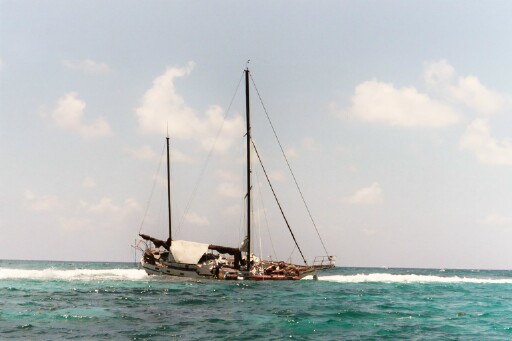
(56,300)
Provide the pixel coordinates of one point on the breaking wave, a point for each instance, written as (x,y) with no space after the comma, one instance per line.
(74,274)
(394,278)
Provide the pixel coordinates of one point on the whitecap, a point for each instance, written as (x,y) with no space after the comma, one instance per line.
(74,274)
(409,278)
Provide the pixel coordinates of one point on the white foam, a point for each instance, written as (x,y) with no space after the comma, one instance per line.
(394,278)
(75,274)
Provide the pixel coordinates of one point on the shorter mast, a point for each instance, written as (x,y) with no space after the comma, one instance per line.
(169,191)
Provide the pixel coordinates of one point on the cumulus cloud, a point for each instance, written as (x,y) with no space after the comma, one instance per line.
(161,105)
(177,156)
(74,223)
(230,184)
(226,175)
(195,219)
(487,149)
(88,182)
(379,102)
(143,153)
(107,206)
(310,144)
(87,66)
(229,189)
(497,220)
(441,77)
(276,175)
(148,153)
(68,115)
(101,216)
(232,211)
(40,203)
(365,196)
(291,153)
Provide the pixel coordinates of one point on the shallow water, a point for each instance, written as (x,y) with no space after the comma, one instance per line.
(58,300)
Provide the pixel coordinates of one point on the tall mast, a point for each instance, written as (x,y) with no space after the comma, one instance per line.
(248,134)
(169,190)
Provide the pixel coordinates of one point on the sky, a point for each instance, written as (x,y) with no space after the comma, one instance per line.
(395,117)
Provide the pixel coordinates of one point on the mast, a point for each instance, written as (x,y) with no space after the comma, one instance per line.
(169,191)
(248,134)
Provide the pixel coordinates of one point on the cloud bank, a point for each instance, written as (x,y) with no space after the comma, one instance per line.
(448,95)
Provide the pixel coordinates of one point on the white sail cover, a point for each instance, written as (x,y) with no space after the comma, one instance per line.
(188,252)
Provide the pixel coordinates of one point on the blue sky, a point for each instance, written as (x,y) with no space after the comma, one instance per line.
(395,116)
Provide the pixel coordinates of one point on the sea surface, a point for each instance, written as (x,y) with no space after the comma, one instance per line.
(94,301)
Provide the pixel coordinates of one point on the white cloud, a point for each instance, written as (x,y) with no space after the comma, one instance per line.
(161,105)
(232,211)
(161,180)
(102,216)
(87,66)
(226,175)
(144,153)
(276,175)
(291,153)
(441,77)
(310,144)
(88,182)
(497,220)
(369,232)
(107,206)
(437,73)
(41,203)
(366,195)
(148,153)
(74,223)
(487,149)
(379,102)
(230,185)
(2,64)
(177,156)
(195,219)
(229,189)
(68,115)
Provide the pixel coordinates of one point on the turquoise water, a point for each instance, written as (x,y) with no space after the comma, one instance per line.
(58,300)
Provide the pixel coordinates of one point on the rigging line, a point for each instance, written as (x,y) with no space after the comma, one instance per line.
(265,214)
(291,254)
(289,167)
(278,203)
(152,189)
(258,213)
(189,203)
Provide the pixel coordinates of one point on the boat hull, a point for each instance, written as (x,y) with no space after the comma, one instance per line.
(193,272)
(174,271)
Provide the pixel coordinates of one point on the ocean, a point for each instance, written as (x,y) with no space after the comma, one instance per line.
(95,301)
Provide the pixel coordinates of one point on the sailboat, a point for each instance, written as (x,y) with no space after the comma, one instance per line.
(190,259)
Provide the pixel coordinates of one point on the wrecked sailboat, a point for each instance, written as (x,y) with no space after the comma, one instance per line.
(191,259)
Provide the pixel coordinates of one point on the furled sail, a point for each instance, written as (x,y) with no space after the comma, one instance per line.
(158,242)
